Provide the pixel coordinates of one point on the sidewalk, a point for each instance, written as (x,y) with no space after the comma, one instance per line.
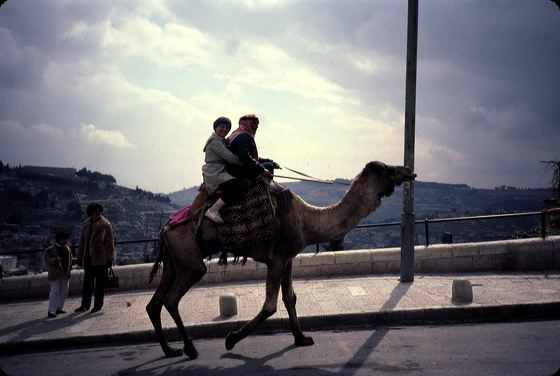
(327,303)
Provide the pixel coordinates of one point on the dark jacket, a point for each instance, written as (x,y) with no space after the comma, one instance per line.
(245,147)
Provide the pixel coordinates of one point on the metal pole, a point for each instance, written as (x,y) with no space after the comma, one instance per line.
(543,224)
(427,231)
(407,216)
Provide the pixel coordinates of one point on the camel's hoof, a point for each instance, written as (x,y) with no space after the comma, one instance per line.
(172,353)
(304,341)
(190,351)
(230,341)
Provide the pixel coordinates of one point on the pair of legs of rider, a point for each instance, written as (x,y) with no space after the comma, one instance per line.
(232,190)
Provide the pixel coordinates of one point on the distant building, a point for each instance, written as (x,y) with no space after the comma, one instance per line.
(80,196)
(59,172)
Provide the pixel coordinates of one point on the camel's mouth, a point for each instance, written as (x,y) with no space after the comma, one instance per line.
(403,174)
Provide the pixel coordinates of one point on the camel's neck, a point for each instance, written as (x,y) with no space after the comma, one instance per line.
(333,222)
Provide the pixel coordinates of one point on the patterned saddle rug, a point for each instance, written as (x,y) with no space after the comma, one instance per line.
(249,221)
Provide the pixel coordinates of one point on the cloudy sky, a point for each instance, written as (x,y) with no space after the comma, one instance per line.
(131,88)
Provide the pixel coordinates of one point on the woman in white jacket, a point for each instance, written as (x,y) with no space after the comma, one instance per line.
(214,172)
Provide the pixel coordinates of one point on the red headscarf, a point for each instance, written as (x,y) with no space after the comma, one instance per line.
(245,126)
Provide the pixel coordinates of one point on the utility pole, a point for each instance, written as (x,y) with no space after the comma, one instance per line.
(407,216)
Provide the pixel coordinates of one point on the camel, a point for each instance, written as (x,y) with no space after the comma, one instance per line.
(297,224)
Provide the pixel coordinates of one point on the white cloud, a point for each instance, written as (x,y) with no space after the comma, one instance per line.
(112,137)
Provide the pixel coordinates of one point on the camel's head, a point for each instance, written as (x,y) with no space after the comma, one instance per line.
(387,177)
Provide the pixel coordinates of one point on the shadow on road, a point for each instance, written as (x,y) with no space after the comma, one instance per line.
(160,366)
(363,353)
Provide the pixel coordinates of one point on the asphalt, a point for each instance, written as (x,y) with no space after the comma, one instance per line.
(329,303)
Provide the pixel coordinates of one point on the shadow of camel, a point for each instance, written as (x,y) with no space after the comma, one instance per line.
(248,367)
(258,365)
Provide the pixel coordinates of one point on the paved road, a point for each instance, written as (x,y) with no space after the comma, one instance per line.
(522,348)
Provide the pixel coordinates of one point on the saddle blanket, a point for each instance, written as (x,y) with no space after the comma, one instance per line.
(248,222)
(179,217)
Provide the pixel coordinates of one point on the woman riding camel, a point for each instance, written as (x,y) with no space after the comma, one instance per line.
(214,173)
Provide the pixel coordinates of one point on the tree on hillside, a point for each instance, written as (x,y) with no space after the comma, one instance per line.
(95,176)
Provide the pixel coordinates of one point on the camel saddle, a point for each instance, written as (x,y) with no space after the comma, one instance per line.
(246,222)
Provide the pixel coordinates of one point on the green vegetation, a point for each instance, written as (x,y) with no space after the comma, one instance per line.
(95,176)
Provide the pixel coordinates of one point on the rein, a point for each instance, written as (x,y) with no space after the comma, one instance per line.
(307,177)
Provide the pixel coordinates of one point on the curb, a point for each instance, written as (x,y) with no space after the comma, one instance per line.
(360,320)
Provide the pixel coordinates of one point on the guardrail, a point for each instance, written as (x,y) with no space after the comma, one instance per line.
(426,223)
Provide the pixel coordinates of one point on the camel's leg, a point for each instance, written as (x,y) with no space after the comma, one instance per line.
(289,297)
(156,303)
(273,280)
(184,280)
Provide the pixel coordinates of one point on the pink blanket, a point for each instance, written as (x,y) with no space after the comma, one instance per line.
(180,216)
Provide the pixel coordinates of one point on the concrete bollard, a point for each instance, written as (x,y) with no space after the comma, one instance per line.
(228,305)
(462,291)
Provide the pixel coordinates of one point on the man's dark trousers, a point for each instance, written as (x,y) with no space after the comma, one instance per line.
(95,277)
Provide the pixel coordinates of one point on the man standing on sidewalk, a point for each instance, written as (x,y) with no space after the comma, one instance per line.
(96,254)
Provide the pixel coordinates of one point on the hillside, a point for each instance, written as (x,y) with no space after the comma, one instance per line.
(35,203)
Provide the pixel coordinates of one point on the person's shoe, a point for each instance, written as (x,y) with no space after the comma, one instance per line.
(95,309)
(59,311)
(213,216)
(51,315)
(81,309)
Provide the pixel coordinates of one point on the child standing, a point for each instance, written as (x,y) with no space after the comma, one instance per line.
(58,258)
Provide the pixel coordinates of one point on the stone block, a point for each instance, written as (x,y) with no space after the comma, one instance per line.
(387,254)
(441,265)
(530,260)
(352,257)
(386,267)
(422,252)
(228,305)
(213,266)
(461,291)
(39,280)
(556,264)
(296,261)
(483,263)
(304,272)
(435,251)
(352,269)
(461,264)
(535,244)
(555,242)
(15,283)
(505,262)
(492,248)
(314,259)
(464,249)
(328,269)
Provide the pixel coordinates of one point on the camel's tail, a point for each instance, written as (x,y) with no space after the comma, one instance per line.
(162,250)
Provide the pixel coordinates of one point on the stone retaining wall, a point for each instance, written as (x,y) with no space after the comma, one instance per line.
(510,255)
